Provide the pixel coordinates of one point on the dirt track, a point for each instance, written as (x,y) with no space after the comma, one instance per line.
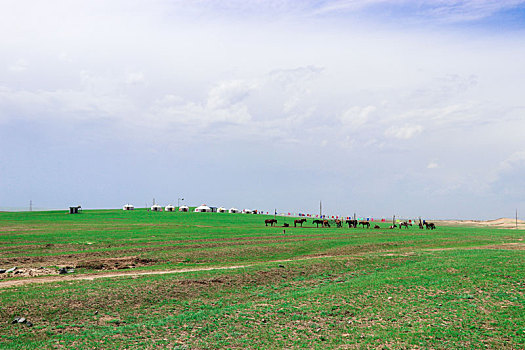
(91,277)
(120,273)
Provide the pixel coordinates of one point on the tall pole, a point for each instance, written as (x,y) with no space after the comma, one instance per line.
(31,206)
(516,218)
(320,210)
(153,201)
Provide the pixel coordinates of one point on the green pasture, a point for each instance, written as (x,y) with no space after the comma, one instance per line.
(453,287)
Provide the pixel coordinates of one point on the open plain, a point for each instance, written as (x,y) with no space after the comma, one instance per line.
(143,279)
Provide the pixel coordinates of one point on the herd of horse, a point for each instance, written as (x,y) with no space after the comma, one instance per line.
(351,223)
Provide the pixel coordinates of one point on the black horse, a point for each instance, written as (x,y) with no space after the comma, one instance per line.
(405,224)
(270,221)
(365,223)
(339,223)
(300,222)
(377,226)
(430,225)
(351,223)
(317,222)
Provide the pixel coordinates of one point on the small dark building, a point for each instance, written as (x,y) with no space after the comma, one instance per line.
(75,210)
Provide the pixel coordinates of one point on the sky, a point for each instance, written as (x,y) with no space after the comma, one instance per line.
(374,107)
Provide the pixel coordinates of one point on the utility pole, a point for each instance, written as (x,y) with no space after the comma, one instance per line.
(516,218)
(393,220)
(320,210)
(31,206)
(153,201)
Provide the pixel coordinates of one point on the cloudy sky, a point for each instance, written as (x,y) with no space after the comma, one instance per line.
(377,107)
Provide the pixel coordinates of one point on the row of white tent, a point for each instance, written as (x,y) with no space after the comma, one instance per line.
(200,209)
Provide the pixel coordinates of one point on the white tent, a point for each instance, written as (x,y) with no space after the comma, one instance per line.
(247,211)
(222,210)
(202,209)
(184,208)
(156,207)
(233,210)
(128,207)
(169,208)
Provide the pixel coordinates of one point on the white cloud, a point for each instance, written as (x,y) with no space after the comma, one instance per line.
(135,78)
(515,160)
(404,132)
(357,117)
(18,66)
(432,165)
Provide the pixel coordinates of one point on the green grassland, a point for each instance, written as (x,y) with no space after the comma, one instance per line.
(453,287)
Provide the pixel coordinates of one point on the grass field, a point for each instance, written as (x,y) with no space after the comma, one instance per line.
(454,287)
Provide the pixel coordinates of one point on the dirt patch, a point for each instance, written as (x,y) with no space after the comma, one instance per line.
(507,223)
(504,246)
(126,262)
(29,272)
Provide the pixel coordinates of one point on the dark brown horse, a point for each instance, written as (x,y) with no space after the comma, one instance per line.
(405,224)
(270,221)
(377,226)
(351,223)
(326,223)
(364,223)
(430,225)
(317,222)
(300,222)
(339,223)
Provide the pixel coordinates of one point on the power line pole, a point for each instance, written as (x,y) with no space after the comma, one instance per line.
(516,218)
(320,209)
(31,205)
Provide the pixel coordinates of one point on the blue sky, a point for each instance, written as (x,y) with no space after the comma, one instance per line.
(411,108)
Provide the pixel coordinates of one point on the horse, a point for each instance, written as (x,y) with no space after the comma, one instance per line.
(317,222)
(286,225)
(365,223)
(270,221)
(430,225)
(351,223)
(339,223)
(377,226)
(405,224)
(326,223)
(421,225)
(393,226)
(300,221)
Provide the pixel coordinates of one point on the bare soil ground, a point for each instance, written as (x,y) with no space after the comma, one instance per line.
(48,275)
(498,223)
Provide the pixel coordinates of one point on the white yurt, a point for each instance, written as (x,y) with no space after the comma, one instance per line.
(233,210)
(128,207)
(169,208)
(222,210)
(184,208)
(202,209)
(156,207)
(247,211)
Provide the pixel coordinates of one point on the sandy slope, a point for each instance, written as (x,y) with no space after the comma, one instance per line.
(498,223)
